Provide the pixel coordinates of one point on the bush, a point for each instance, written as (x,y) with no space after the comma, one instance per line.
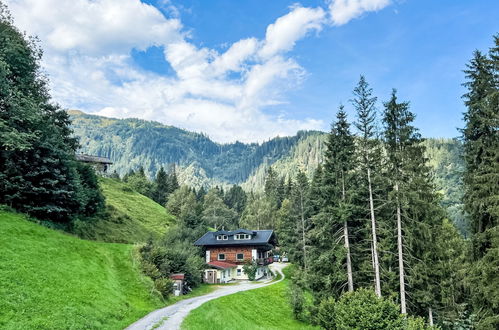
(250,269)
(297,302)
(164,286)
(324,315)
(361,309)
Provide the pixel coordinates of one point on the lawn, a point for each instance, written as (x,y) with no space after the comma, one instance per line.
(265,308)
(52,280)
(130,216)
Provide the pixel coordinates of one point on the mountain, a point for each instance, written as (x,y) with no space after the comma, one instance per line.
(199,161)
(131,143)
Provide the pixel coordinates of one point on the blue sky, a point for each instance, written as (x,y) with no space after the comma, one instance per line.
(160,67)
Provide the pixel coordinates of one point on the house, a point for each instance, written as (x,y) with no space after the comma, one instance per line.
(228,251)
(100,164)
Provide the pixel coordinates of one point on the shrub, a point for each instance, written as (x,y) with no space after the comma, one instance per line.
(297,302)
(324,315)
(164,286)
(361,309)
(250,269)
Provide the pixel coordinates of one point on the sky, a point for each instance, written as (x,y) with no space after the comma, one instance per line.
(250,70)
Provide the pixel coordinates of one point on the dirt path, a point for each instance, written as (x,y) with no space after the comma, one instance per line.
(171,317)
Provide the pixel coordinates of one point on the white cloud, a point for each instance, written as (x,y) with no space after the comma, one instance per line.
(342,11)
(283,34)
(225,94)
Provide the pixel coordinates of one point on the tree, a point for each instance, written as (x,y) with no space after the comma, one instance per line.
(415,203)
(161,187)
(335,212)
(260,213)
(368,155)
(236,199)
(481,196)
(184,205)
(139,182)
(301,205)
(216,214)
(38,170)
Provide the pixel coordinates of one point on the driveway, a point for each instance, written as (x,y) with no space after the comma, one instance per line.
(171,317)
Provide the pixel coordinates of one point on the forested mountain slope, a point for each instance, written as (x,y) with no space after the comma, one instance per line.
(131,143)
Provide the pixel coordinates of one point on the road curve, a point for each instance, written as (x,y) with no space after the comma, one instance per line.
(171,317)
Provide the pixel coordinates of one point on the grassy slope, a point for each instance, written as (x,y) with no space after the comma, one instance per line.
(131,217)
(265,308)
(51,280)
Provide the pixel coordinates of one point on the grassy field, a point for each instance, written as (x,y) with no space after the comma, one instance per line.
(265,308)
(51,280)
(130,217)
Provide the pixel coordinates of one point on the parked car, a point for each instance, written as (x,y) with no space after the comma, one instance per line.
(284,259)
(276,258)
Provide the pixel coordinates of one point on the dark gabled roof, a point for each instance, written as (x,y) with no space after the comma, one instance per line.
(93,159)
(258,237)
(243,231)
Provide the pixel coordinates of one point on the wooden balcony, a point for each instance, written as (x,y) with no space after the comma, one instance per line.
(264,261)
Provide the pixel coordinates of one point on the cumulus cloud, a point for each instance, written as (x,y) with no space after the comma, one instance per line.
(227,94)
(342,11)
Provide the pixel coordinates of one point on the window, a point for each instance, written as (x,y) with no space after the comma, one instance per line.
(243,236)
(221,256)
(239,272)
(222,237)
(240,256)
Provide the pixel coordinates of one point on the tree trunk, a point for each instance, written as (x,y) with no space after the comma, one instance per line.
(303,232)
(430,316)
(377,281)
(403,307)
(347,244)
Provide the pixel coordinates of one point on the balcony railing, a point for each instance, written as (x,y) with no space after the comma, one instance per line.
(264,261)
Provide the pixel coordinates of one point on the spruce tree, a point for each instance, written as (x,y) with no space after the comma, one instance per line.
(369,152)
(415,203)
(481,180)
(38,170)
(332,265)
(161,188)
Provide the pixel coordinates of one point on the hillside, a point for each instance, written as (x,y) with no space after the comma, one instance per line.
(86,284)
(129,217)
(131,143)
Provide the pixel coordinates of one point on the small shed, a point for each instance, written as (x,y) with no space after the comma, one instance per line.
(178,283)
(101,164)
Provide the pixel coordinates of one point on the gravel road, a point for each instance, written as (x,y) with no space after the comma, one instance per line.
(171,317)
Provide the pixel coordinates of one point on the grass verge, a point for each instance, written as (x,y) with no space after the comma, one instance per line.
(264,308)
